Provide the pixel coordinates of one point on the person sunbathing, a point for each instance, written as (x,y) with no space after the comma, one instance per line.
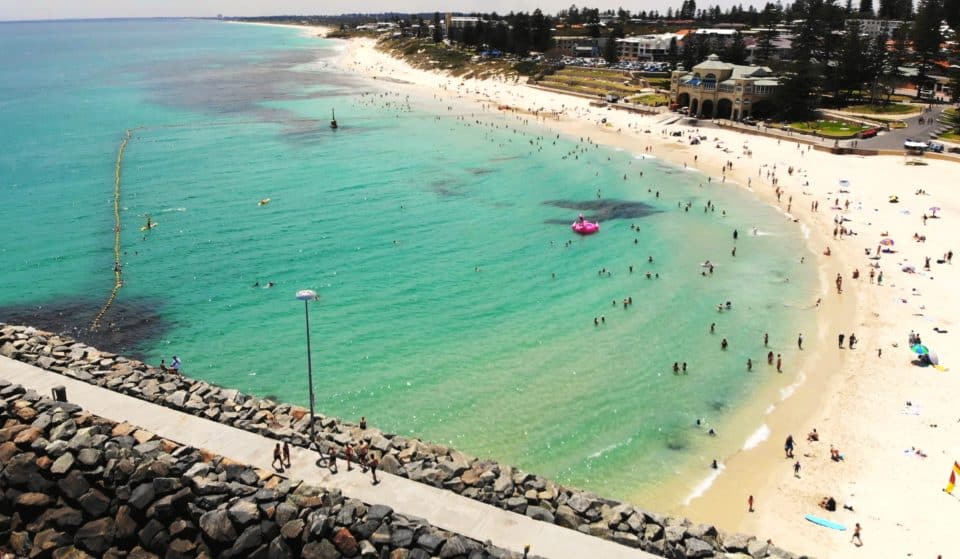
(813,436)
(828,503)
(835,454)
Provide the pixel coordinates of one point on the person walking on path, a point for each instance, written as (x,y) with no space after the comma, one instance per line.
(788,446)
(840,340)
(332,460)
(286,454)
(750,503)
(856,535)
(362,457)
(800,341)
(277,457)
(373,469)
(796,469)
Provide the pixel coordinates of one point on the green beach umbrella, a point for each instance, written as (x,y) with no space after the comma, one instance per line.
(920,349)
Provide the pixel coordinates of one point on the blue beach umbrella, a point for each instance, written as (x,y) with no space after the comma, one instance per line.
(920,349)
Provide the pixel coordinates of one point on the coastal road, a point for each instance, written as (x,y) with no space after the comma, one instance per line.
(915,131)
(441,508)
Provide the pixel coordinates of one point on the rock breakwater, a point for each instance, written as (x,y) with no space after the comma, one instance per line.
(436,465)
(74,485)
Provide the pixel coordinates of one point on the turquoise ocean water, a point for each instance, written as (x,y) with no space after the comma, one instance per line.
(455,304)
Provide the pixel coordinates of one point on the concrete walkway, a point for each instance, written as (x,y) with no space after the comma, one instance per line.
(441,508)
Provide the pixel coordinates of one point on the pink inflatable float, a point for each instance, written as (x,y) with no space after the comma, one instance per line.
(584,227)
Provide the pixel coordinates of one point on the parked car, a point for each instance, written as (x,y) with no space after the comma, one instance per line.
(869,133)
(749,121)
(936,147)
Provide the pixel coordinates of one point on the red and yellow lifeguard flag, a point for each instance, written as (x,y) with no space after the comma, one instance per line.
(953,478)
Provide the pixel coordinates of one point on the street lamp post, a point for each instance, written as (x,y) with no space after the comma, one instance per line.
(307,295)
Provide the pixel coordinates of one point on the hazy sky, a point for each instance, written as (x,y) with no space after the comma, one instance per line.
(69,9)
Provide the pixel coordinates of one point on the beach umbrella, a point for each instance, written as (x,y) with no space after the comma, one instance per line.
(935,209)
(932,358)
(886,241)
(844,183)
(920,349)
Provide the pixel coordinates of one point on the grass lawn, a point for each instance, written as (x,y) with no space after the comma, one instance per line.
(950,137)
(652,99)
(828,128)
(659,83)
(599,73)
(891,109)
(590,82)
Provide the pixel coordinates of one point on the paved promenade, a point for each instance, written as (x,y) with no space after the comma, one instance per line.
(441,508)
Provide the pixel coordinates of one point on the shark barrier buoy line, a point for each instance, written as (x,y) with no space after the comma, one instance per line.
(117,270)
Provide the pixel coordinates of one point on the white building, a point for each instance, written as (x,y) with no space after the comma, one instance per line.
(646,47)
(874,27)
(460,22)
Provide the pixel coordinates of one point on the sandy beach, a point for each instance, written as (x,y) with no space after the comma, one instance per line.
(893,422)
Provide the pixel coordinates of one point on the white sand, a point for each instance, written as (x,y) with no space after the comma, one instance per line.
(854,398)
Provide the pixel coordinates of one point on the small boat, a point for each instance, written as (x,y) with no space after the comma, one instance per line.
(263,202)
(583,227)
(333,119)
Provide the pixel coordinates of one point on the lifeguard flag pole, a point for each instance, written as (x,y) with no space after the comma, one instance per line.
(953,478)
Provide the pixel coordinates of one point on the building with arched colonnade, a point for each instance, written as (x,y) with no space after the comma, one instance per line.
(716,89)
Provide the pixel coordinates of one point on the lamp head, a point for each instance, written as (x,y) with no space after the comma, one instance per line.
(307,295)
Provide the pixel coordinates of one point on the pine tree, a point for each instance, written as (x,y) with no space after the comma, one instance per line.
(896,58)
(736,53)
(795,97)
(437,30)
(542,38)
(926,38)
(951,13)
(876,65)
(610,50)
(520,34)
(673,53)
(689,54)
(852,58)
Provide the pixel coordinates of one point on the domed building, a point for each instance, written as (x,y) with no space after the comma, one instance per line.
(717,89)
